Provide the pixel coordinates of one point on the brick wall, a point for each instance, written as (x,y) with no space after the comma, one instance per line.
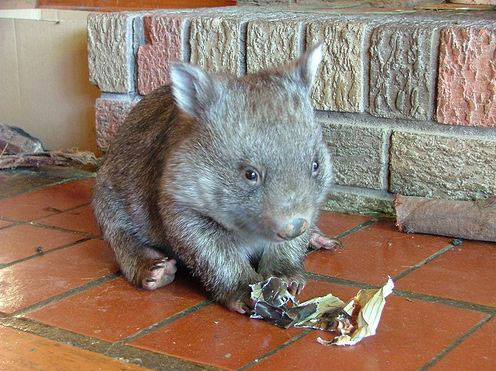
(407,101)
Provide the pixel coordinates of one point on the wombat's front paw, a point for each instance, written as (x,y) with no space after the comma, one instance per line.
(321,241)
(157,273)
(240,306)
(293,275)
(240,300)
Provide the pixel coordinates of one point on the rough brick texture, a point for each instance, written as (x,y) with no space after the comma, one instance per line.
(110,114)
(110,51)
(441,166)
(164,35)
(215,44)
(357,154)
(467,77)
(270,44)
(400,72)
(338,86)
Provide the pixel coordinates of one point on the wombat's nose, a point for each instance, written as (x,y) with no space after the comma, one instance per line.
(293,229)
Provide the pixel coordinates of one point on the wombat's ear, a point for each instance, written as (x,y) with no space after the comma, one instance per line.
(192,88)
(306,66)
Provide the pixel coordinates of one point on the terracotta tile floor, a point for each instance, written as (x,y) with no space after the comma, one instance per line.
(63,304)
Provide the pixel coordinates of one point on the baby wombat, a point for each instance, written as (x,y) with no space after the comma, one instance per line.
(223,174)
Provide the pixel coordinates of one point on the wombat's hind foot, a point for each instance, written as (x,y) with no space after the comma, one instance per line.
(157,273)
(141,264)
(318,240)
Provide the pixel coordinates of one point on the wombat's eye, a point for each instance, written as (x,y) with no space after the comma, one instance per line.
(251,175)
(315,166)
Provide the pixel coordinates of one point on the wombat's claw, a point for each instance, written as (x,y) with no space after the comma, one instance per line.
(318,241)
(295,287)
(159,264)
(160,272)
(240,306)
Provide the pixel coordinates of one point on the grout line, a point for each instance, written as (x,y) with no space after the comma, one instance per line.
(137,28)
(340,281)
(426,127)
(46,226)
(286,344)
(423,262)
(34,223)
(157,361)
(243,48)
(450,302)
(13,223)
(60,212)
(53,333)
(185,37)
(67,294)
(455,344)
(125,354)
(363,105)
(386,157)
(357,228)
(302,37)
(6,265)
(162,323)
(434,68)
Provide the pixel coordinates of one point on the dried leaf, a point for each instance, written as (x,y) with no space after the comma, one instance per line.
(352,322)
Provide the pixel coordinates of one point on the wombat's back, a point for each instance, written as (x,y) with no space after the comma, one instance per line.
(127,183)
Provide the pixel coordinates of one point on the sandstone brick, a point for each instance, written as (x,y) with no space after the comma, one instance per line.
(357,154)
(400,72)
(110,51)
(442,166)
(361,201)
(467,77)
(164,35)
(216,44)
(271,43)
(339,79)
(110,114)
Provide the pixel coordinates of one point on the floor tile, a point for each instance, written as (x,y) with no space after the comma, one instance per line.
(475,353)
(24,351)
(217,337)
(466,272)
(333,224)
(373,253)
(410,333)
(47,201)
(21,241)
(80,219)
(37,279)
(116,309)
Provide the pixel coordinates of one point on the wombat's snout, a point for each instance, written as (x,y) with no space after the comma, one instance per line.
(292,229)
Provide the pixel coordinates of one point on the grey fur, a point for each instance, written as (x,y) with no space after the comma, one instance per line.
(173,184)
